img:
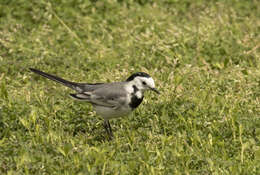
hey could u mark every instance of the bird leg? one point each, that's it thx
(108, 128)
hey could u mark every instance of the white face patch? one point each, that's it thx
(142, 84)
(146, 83)
(139, 94)
(151, 83)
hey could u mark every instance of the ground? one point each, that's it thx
(203, 55)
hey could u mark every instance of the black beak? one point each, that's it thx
(155, 90)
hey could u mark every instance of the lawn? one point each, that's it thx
(204, 56)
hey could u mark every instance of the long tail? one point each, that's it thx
(72, 85)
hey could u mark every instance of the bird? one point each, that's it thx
(109, 100)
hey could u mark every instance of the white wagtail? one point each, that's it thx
(110, 100)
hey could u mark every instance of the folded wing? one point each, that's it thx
(109, 96)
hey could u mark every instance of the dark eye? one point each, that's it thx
(144, 83)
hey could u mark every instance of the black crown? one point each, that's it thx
(138, 74)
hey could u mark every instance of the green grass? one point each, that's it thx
(203, 55)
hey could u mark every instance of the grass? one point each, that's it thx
(203, 55)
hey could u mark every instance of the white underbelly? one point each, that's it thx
(108, 113)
